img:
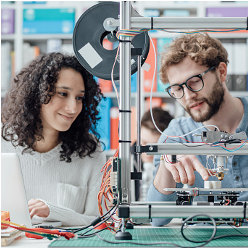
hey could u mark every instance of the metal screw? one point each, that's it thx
(109, 22)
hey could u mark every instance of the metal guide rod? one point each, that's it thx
(194, 149)
(173, 211)
(189, 23)
(125, 103)
(185, 22)
(139, 111)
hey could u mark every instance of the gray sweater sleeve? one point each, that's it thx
(68, 216)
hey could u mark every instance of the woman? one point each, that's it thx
(48, 118)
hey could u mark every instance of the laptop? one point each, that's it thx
(13, 195)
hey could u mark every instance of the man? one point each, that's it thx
(195, 66)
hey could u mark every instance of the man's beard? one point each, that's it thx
(214, 101)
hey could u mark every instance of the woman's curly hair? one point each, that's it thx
(34, 86)
(200, 47)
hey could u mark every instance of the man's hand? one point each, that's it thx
(169, 174)
(37, 207)
(183, 170)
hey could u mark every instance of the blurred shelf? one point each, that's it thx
(10, 37)
(63, 4)
(47, 36)
(113, 95)
(8, 5)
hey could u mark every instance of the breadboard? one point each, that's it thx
(149, 235)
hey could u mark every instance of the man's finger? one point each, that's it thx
(182, 173)
(200, 168)
(172, 169)
(188, 165)
(190, 175)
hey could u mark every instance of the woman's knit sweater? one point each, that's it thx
(69, 189)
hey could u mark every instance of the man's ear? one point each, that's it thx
(222, 70)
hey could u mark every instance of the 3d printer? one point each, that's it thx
(109, 19)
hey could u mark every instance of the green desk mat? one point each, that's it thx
(149, 235)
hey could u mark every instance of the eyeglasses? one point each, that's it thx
(194, 83)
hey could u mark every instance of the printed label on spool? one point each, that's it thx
(90, 55)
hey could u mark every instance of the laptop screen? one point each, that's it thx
(13, 196)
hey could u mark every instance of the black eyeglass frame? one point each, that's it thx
(185, 83)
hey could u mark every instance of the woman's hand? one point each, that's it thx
(38, 207)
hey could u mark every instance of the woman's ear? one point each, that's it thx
(222, 70)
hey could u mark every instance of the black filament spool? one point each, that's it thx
(88, 37)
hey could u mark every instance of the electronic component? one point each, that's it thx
(217, 136)
(114, 181)
(225, 196)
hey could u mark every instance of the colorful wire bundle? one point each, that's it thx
(128, 33)
(47, 233)
(105, 195)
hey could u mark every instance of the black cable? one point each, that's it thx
(91, 235)
(124, 111)
(235, 228)
(137, 243)
(213, 234)
(108, 211)
(124, 41)
(93, 223)
(75, 230)
(228, 141)
(176, 245)
(168, 243)
(197, 215)
(82, 234)
(85, 233)
(124, 141)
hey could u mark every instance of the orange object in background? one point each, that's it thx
(5, 216)
(114, 124)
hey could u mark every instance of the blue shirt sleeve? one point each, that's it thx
(236, 176)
